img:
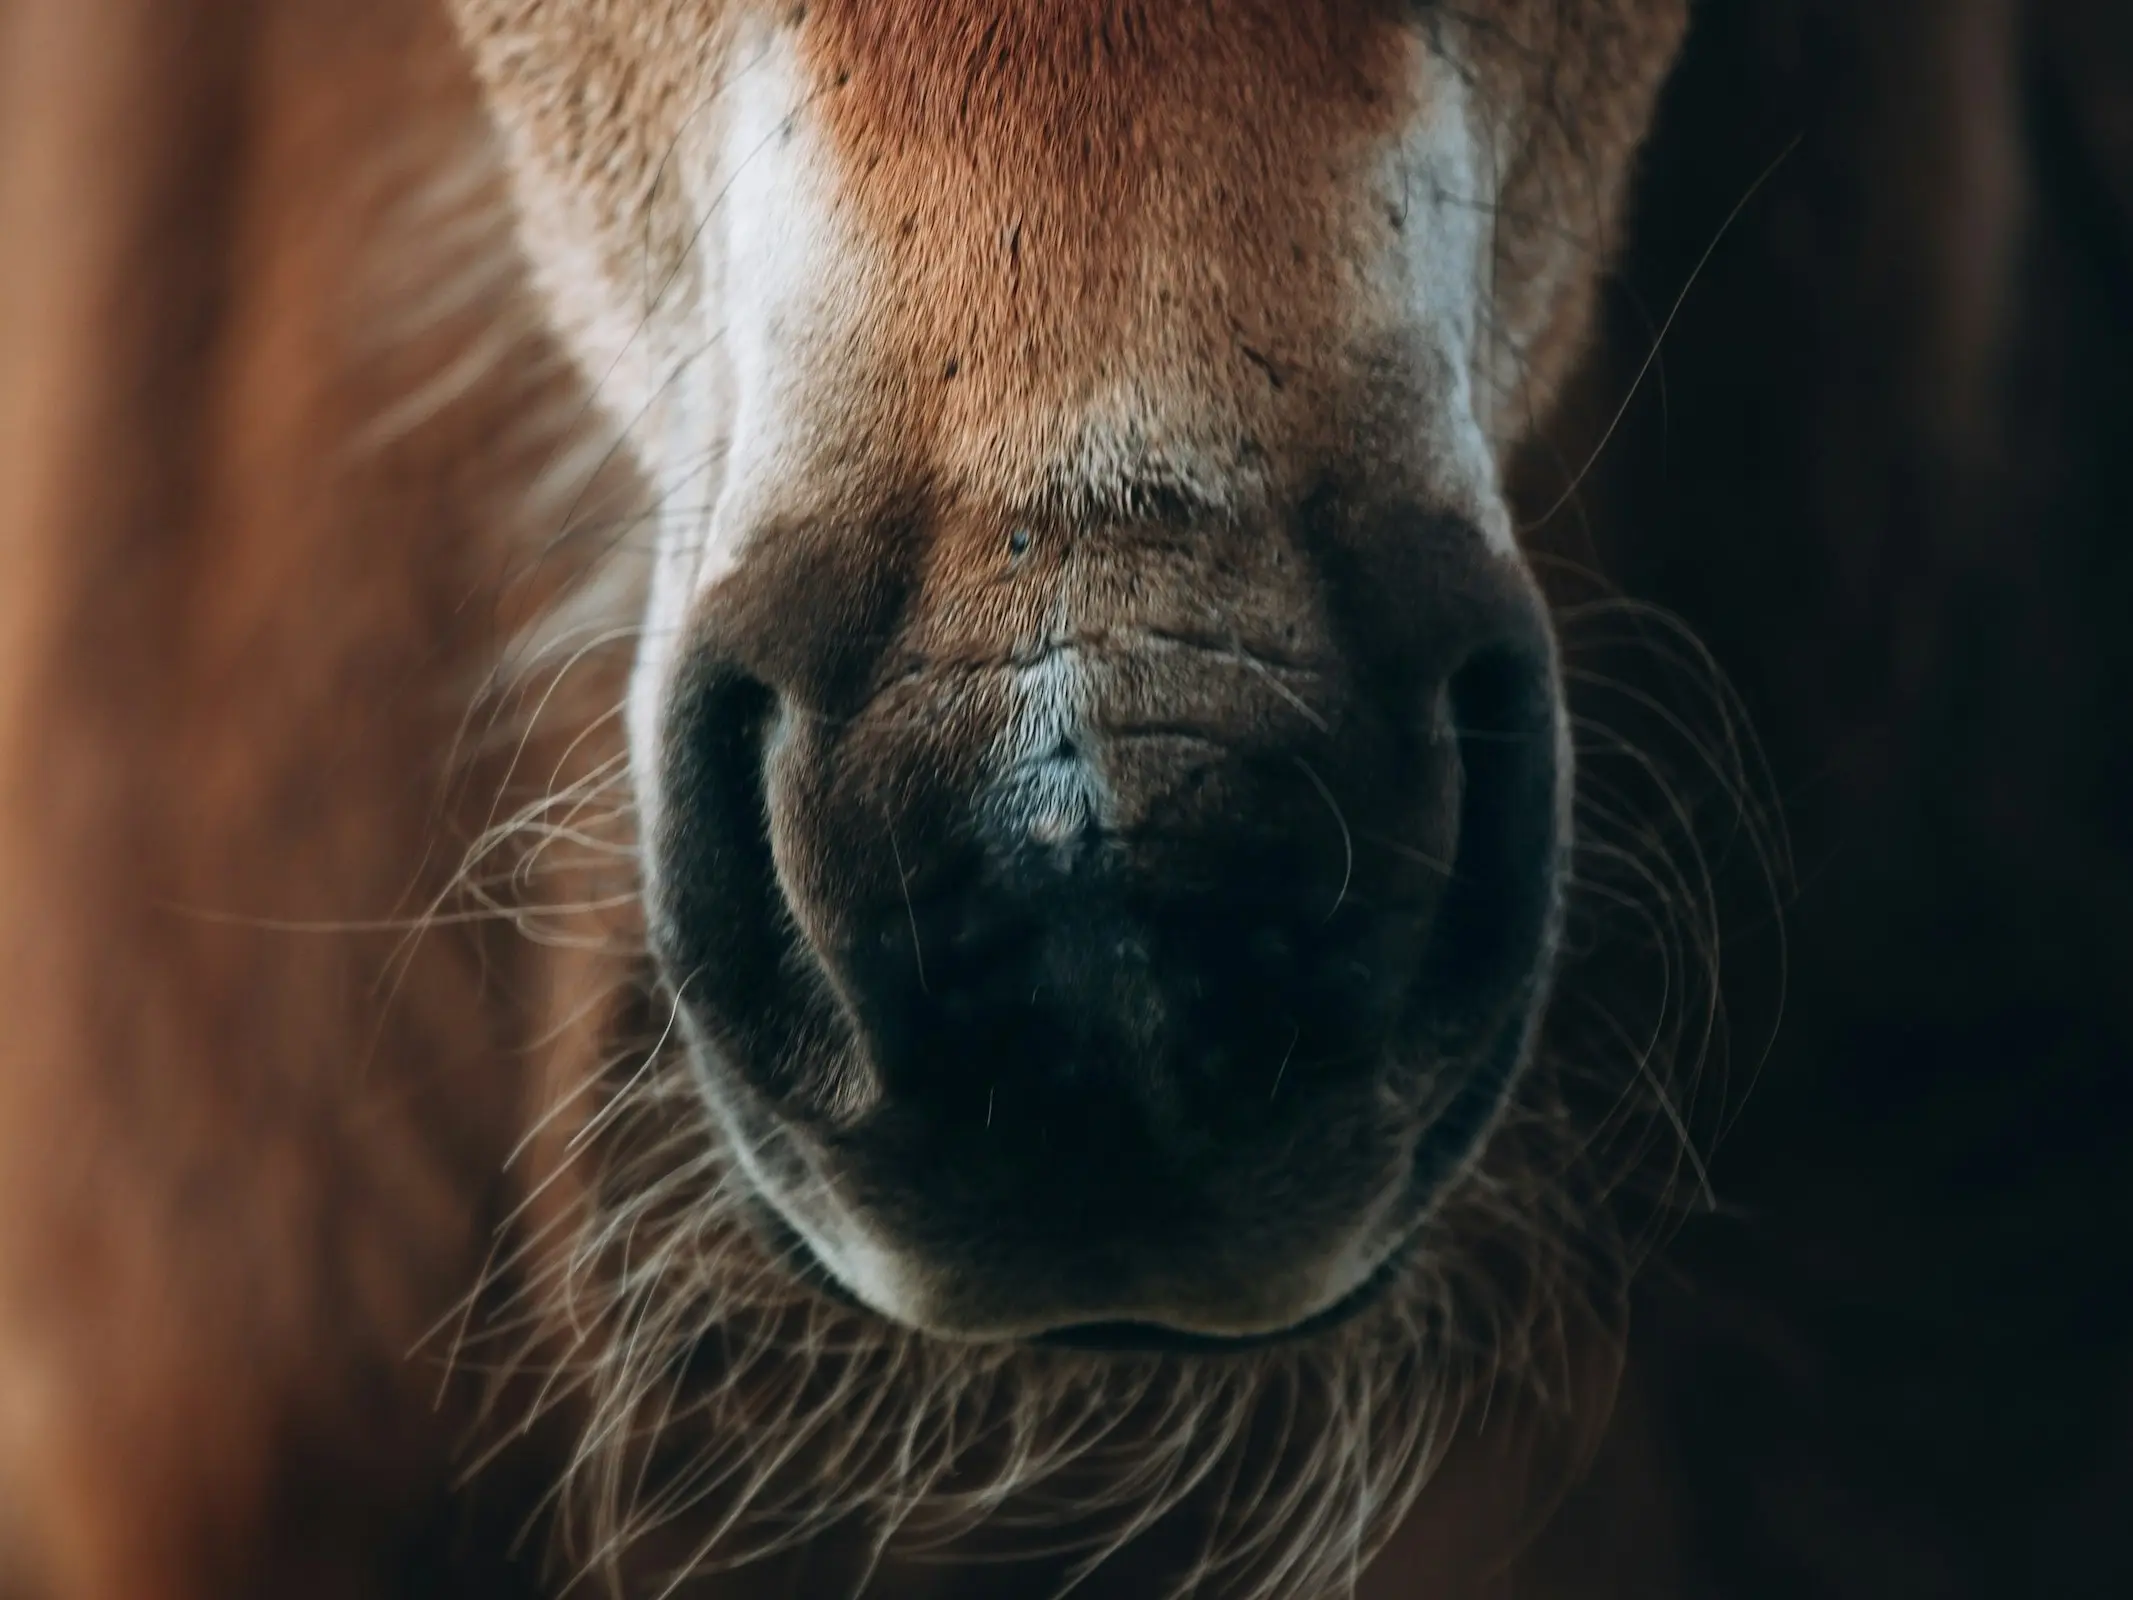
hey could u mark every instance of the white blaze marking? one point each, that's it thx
(779, 305)
(1435, 283)
(1049, 796)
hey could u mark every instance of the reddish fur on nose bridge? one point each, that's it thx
(1065, 197)
(1067, 77)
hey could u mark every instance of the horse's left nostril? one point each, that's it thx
(1496, 922)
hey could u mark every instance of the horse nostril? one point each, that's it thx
(712, 876)
(1497, 919)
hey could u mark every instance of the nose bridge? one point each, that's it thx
(1070, 241)
(1135, 657)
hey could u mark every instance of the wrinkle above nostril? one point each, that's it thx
(1232, 646)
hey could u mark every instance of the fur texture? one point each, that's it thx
(362, 1230)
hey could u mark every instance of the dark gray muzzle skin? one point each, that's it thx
(1129, 932)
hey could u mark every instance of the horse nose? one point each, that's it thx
(1167, 927)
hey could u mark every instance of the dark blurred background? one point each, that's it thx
(1880, 466)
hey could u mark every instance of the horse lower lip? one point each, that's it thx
(1147, 1338)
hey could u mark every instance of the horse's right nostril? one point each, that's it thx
(713, 884)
